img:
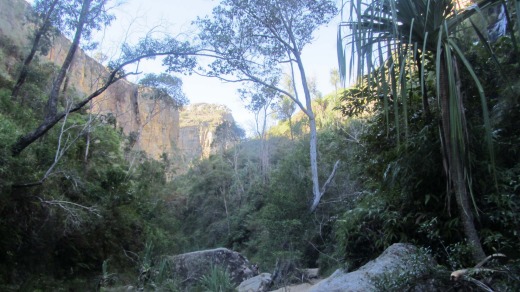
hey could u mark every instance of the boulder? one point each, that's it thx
(188, 268)
(311, 273)
(258, 283)
(395, 259)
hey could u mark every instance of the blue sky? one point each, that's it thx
(135, 18)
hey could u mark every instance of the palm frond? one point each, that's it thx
(483, 102)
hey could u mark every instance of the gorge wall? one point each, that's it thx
(155, 124)
(198, 123)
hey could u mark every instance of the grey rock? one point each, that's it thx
(258, 283)
(188, 268)
(396, 258)
(311, 273)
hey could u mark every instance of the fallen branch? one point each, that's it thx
(466, 274)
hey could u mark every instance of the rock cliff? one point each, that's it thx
(156, 126)
(198, 123)
(154, 123)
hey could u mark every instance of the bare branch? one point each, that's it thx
(324, 187)
(73, 211)
(61, 149)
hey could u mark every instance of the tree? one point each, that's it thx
(167, 87)
(227, 135)
(178, 56)
(254, 41)
(401, 33)
(261, 101)
(55, 16)
(89, 14)
(284, 111)
(335, 80)
(46, 13)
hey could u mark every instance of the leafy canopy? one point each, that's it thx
(64, 17)
(252, 39)
(167, 88)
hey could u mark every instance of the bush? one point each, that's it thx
(217, 280)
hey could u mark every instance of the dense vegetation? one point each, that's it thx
(77, 211)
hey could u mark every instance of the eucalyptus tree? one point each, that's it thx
(80, 19)
(166, 87)
(46, 14)
(284, 110)
(392, 38)
(256, 40)
(227, 134)
(177, 54)
(53, 17)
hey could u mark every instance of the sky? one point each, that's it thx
(135, 18)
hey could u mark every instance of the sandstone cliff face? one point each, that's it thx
(155, 122)
(157, 125)
(198, 123)
(12, 20)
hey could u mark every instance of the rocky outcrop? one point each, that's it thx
(13, 35)
(190, 267)
(198, 123)
(154, 123)
(258, 283)
(398, 259)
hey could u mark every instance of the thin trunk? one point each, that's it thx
(51, 111)
(265, 146)
(313, 137)
(466, 213)
(226, 209)
(291, 128)
(52, 103)
(426, 105)
(455, 163)
(87, 146)
(36, 42)
(314, 164)
(313, 153)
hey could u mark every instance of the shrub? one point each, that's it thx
(217, 280)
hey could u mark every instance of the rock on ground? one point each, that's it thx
(188, 268)
(259, 283)
(305, 287)
(394, 259)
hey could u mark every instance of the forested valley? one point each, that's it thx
(419, 143)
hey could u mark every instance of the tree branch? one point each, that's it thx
(324, 187)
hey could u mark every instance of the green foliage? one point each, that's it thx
(227, 135)
(8, 133)
(280, 227)
(217, 280)
(355, 101)
(404, 189)
(34, 93)
(64, 218)
(166, 87)
(107, 279)
(64, 16)
(232, 36)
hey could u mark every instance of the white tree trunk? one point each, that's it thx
(314, 164)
